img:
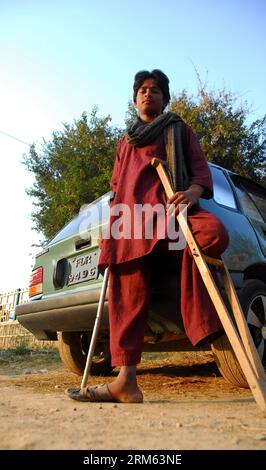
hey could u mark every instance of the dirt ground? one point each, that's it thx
(188, 405)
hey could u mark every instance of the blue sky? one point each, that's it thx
(60, 58)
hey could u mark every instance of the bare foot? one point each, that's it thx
(125, 387)
(125, 392)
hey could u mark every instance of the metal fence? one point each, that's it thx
(9, 301)
(12, 334)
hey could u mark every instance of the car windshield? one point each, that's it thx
(97, 213)
(252, 198)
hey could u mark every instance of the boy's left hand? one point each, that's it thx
(190, 197)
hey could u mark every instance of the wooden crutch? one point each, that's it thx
(241, 342)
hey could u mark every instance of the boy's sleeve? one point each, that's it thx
(116, 171)
(199, 171)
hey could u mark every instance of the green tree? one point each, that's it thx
(72, 169)
(221, 126)
(131, 113)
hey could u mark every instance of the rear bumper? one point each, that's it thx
(70, 312)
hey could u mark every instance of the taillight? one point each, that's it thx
(36, 282)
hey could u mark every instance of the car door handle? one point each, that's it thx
(82, 242)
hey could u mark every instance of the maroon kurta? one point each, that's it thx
(135, 181)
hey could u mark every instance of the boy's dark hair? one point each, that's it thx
(160, 78)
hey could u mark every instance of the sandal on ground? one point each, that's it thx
(99, 393)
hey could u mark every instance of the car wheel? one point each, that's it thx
(73, 348)
(253, 301)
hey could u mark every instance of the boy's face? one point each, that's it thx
(149, 100)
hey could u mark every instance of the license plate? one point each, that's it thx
(83, 268)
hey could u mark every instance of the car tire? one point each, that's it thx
(227, 362)
(253, 301)
(73, 348)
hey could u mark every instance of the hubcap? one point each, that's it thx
(256, 319)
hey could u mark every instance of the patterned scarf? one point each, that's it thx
(140, 134)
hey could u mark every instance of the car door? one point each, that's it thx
(252, 199)
(244, 248)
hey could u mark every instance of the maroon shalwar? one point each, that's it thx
(135, 181)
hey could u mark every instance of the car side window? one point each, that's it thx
(222, 191)
(252, 198)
